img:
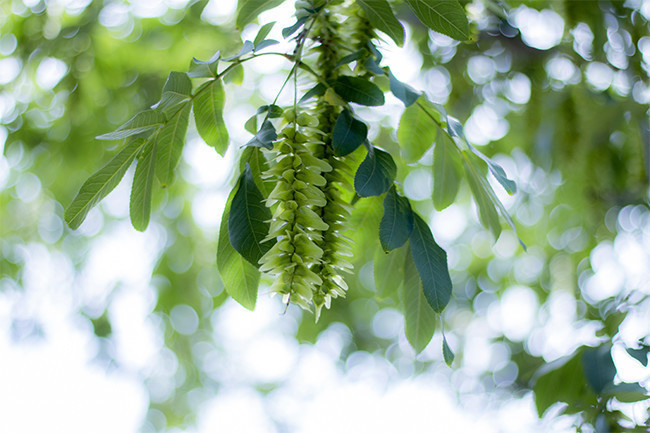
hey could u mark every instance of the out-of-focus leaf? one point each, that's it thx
(204, 69)
(248, 222)
(626, 392)
(397, 222)
(140, 202)
(245, 49)
(640, 355)
(598, 367)
(141, 122)
(288, 31)
(263, 33)
(447, 171)
(402, 91)
(416, 133)
(443, 16)
(419, 317)
(431, 263)
(101, 183)
(381, 16)
(248, 10)
(375, 174)
(447, 353)
(487, 210)
(208, 114)
(389, 271)
(265, 44)
(170, 142)
(358, 90)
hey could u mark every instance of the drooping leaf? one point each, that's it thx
(447, 171)
(288, 31)
(240, 278)
(403, 92)
(443, 16)
(208, 114)
(264, 137)
(487, 210)
(358, 90)
(141, 122)
(416, 133)
(170, 142)
(248, 222)
(419, 317)
(389, 271)
(447, 353)
(140, 202)
(248, 10)
(375, 174)
(204, 69)
(563, 380)
(348, 133)
(431, 263)
(263, 33)
(381, 16)
(598, 367)
(396, 224)
(176, 91)
(101, 183)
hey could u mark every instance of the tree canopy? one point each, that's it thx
(479, 169)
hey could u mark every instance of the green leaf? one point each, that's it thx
(265, 44)
(350, 58)
(348, 133)
(264, 137)
(140, 202)
(419, 317)
(318, 90)
(263, 32)
(170, 142)
(204, 69)
(416, 133)
(626, 392)
(563, 380)
(375, 174)
(251, 124)
(447, 171)
(258, 164)
(101, 183)
(403, 92)
(487, 210)
(381, 17)
(240, 278)
(288, 31)
(208, 114)
(397, 223)
(444, 16)
(359, 90)
(640, 355)
(447, 353)
(177, 90)
(247, 48)
(598, 366)
(248, 222)
(389, 271)
(234, 75)
(274, 111)
(431, 263)
(141, 122)
(250, 9)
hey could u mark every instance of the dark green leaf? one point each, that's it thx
(443, 16)
(381, 16)
(264, 137)
(640, 355)
(487, 210)
(247, 48)
(373, 66)
(240, 278)
(397, 223)
(170, 142)
(447, 171)
(348, 133)
(626, 392)
(419, 317)
(177, 90)
(140, 202)
(431, 262)
(208, 114)
(358, 90)
(248, 222)
(263, 33)
(288, 31)
(248, 10)
(416, 133)
(447, 353)
(598, 366)
(389, 271)
(143, 121)
(274, 111)
(204, 69)
(318, 90)
(101, 183)
(403, 92)
(375, 174)
(349, 58)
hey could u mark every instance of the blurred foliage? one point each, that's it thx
(579, 150)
